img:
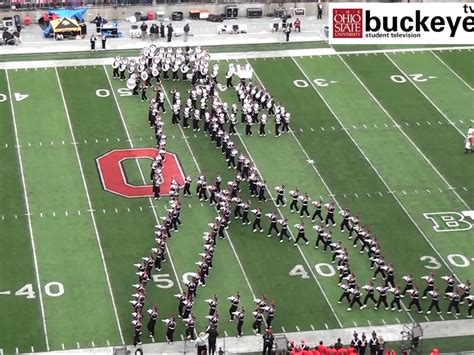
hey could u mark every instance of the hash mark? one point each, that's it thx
(326, 325)
(312, 130)
(32, 349)
(116, 210)
(429, 123)
(398, 320)
(128, 209)
(282, 328)
(354, 127)
(375, 126)
(41, 214)
(78, 346)
(428, 190)
(356, 195)
(103, 210)
(418, 124)
(62, 142)
(404, 192)
(118, 139)
(464, 188)
(297, 328)
(140, 208)
(368, 321)
(381, 195)
(383, 321)
(54, 214)
(440, 190)
(427, 318)
(368, 195)
(66, 213)
(333, 128)
(344, 195)
(386, 125)
(416, 191)
(106, 139)
(16, 216)
(78, 212)
(226, 333)
(62, 346)
(355, 324)
(312, 327)
(365, 126)
(108, 342)
(93, 345)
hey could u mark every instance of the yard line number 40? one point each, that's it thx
(51, 289)
(323, 269)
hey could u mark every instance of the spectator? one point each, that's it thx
(186, 30)
(338, 345)
(268, 340)
(322, 349)
(154, 32)
(201, 343)
(320, 10)
(143, 28)
(297, 25)
(212, 337)
(104, 40)
(162, 30)
(98, 22)
(169, 33)
(92, 40)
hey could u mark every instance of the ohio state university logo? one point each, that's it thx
(114, 178)
(347, 23)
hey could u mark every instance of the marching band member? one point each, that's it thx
(414, 295)
(466, 288)
(284, 229)
(301, 234)
(304, 205)
(396, 299)
(280, 193)
(170, 328)
(355, 298)
(453, 302)
(434, 301)
(234, 300)
(317, 213)
(258, 217)
(330, 214)
(449, 284)
(240, 315)
(370, 289)
(294, 201)
(153, 312)
(430, 284)
(273, 224)
(190, 324)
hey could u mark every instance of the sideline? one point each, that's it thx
(228, 56)
(251, 343)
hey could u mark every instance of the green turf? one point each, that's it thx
(67, 246)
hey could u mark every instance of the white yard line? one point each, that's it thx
(219, 56)
(199, 170)
(27, 204)
(86, 189)
(376, 171)
(423, 93)
(281, 214)
(403, 132)
(452, 71)
(129, 139)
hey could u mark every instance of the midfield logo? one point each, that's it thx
(451, 221)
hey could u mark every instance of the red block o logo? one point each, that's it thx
(113, 176)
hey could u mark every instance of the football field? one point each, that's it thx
(380, 133)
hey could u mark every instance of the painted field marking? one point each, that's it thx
(312, 327)
(423, 93)
(381, 178)
(279, 211)
(452, 71)
(383, 320)
(32, 349)
(30, 227)
(78, 345)
(297, 328)
(369, 322)
(92, 343)
(86, 189)
(283, 329)
(62, 346)
(401, 130)
(150, 200)
(108, 342)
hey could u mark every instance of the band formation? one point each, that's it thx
(257, 106)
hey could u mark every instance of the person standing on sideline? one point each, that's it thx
(320, 10)
(162, 30)
(186, 30)
(201, 343)
(104, 40)
(297, 25)
(92, 40)
(169, 33)
(143, 28)
(268, 340)
(213, 334)
(287, 32)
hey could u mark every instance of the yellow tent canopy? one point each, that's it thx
(65, 25)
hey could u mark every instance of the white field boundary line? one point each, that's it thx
(152, 206)
(43, 64)
(404, 134)
(279, 211)
(376, 171)
(452, 71)
(27, 204)
(199, 170)
(423, 93)
(86, 189)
